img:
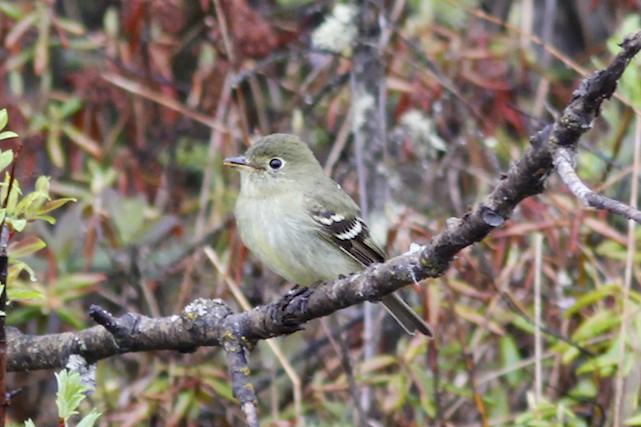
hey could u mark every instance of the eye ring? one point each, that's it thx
(276, 163)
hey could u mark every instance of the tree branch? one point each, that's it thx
(564, 164)
(577, 118)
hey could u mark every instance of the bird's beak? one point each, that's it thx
(239, 162)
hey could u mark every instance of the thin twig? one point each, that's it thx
(287, 367)
(619, 407)
(543, 87)
(236, 352)
(339, 143)
(470, 364)
(234, 59)
(162, 99)
(213, 148)
(556, 53)
(538, 344)
(4, 264)
(563, 160)
(346, 363)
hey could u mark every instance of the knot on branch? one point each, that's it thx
(124, 329)
(204, 317)
(595, 89)
(573, 126)
(491, 217)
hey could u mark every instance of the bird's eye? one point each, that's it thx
(275, 163)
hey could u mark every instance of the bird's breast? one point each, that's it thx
(281, 235)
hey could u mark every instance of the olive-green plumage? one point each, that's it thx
(301, 224)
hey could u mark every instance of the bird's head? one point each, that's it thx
(274, 162)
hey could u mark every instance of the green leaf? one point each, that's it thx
(70, 318)
(222, 388)
(635, 420)
(595, 325)
(46, 218)
(18, 224)
(4, 118)
(592, 297)
(614, 250)
(12, 200)
(22, 314)
(76, 281)
(111, 21)
(585, 389)
(31, 203)
(54, 147)
(55, 204)
(395, 399)
(605, 363)
(523, 324)
(183, 403)
(7, 134)
(70, 393)
(70, 26)
(21, 294)
(90, 419)
(12, 11)
(29, 423)
(570, 354)
(82, 140)
(42, 184)
(510, 357)
(70, 107)
(38, 123)
(26, 246)
(6, 157)
(18, 267)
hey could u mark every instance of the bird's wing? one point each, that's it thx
(338, 220)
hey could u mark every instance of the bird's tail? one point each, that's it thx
(405, 316)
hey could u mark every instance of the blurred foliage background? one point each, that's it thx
(130, 107)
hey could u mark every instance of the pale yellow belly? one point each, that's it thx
(291, 248)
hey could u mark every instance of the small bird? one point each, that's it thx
(301, 224)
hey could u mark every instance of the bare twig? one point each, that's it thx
(538, 342)
(556, 53)
(543, 87)
(343, 354)
(161, 99)
(563, 160)
(272, 344)
(4, 264)
(623, 407)
(577, 119)
(236, 351)
(213, 148)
